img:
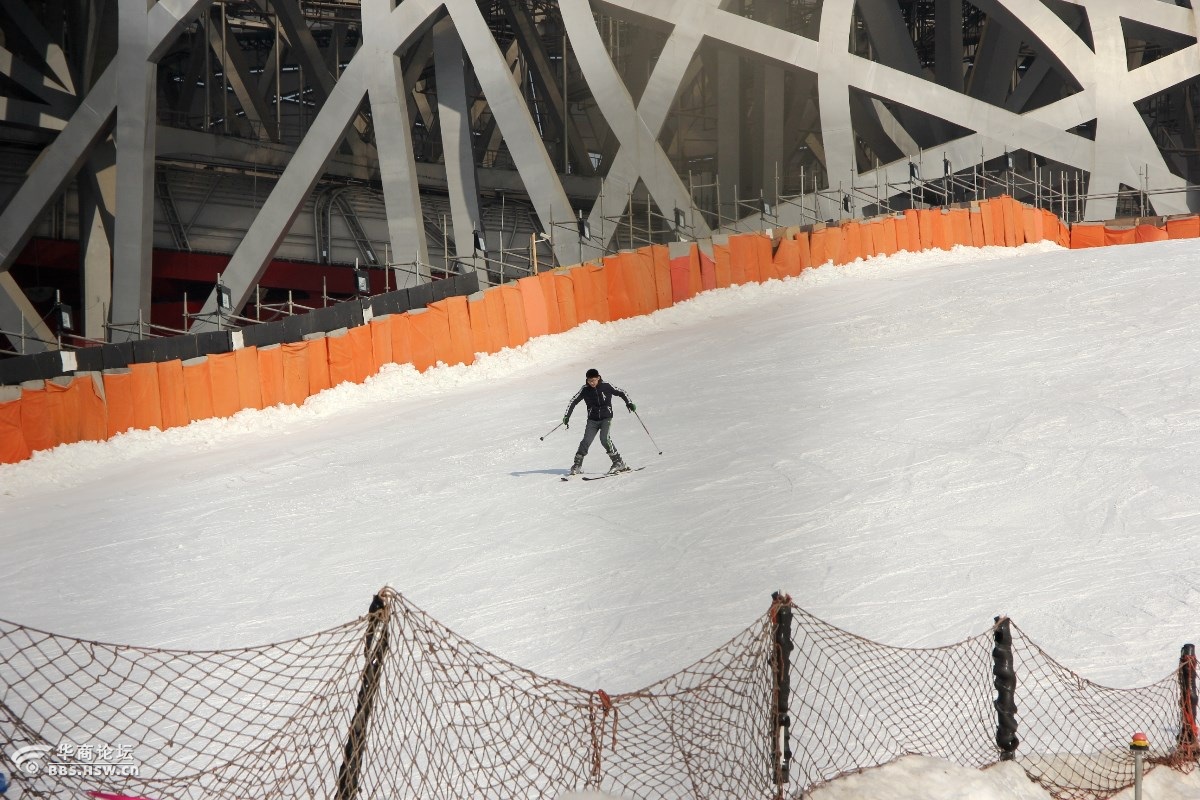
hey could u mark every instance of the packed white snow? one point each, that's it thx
(909, 446)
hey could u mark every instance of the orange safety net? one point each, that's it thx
(550, 294)
(270, 371)
(533, 302)
(341, 358)
(364, 354)
(381, 342)
(564, 293)
(1150, 233)
(197, 384)
(172, 397)
(1115, 236)
(660, 262)
(318, 366)
(118, 396)
(147, 406)
(431, 334)
(295, 373)
(250, 392)
(223, 382)
(402, 339)
(1184, 227)
(13, 447)
(514, 315)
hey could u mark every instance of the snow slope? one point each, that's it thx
(909, 446)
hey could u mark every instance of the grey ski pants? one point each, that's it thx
(589, 433)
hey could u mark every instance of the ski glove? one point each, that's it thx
(631, 407)
(566, 423)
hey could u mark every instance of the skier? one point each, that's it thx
(598, 396)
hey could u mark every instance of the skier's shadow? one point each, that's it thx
(523, 473)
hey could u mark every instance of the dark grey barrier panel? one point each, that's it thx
(293, 329)
(324, 319)
(396, 302)
(116, 356)
(89, 359)
(211, 342)
(467, 284)
(36, 367)
(420, 296)
(442, 289)
(350, 313)
(263, 334)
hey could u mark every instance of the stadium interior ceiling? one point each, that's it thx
(282, 149)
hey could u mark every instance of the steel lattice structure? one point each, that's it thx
(416, 132)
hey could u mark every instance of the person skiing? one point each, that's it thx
(598, 396)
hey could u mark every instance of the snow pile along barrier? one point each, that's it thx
(453, 330)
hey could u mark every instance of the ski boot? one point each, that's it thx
(618, 465)
(577, 467)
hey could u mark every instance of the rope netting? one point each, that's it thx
(394, 704)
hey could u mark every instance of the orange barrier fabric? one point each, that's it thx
(431, 336)
(925, 228)
(363, 354)
(1064, 234)
(381, 342)
(172, 397)
(641, 271)
(959, 220)
(737, 261)
(681, 279)
(497, 318)
(835, 244)
(819, 243)
(197, 384)
(600, 293)
(92, 424)
(900, 226)
(564, 294)
(619, 279)
(63, 399)
(705, 267)
(13, 447)
(459, 324)
(549, 281)
(341, 360)
(721, 267)
(534, 304)
(481, 334)
(1086, 236)
(147, 406)
(514, 316)
(1031, 222)
(872, 238)
(1014, 231)
(295, 373)
(581, 287)
(37, 418)
(1150, 233)
(118, 397)
(250, 393)
(318, 366)
(401, 339)
(852, 247)
(802, 243)
(886, 238)
(270, 371)
(223, 376)
(1115, 236)
(787, 258)
(1184, 228)
(977, 235)
(660, 262)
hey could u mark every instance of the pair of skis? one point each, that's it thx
(605, 475)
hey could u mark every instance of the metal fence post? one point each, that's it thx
(1005, 681)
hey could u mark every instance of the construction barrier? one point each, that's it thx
(172, 392)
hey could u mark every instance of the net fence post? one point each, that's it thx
(374, 651)
(1186, 745)
(781, 664)
(1004, 678)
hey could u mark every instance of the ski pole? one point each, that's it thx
(552, 430)
(647, 430)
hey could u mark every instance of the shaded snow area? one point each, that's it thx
(909, 446)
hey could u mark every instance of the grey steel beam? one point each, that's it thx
(541, 181)
(134, 135)
(534, 49)
(303, 171)
(97, 199)
(18, 315)
(637, 137)
(729, 129)
(26, 25)
(237, 73)
(457, 151)
(389, 96)
(59, 101)
(948, 44)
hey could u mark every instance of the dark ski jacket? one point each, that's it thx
(598, 400)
